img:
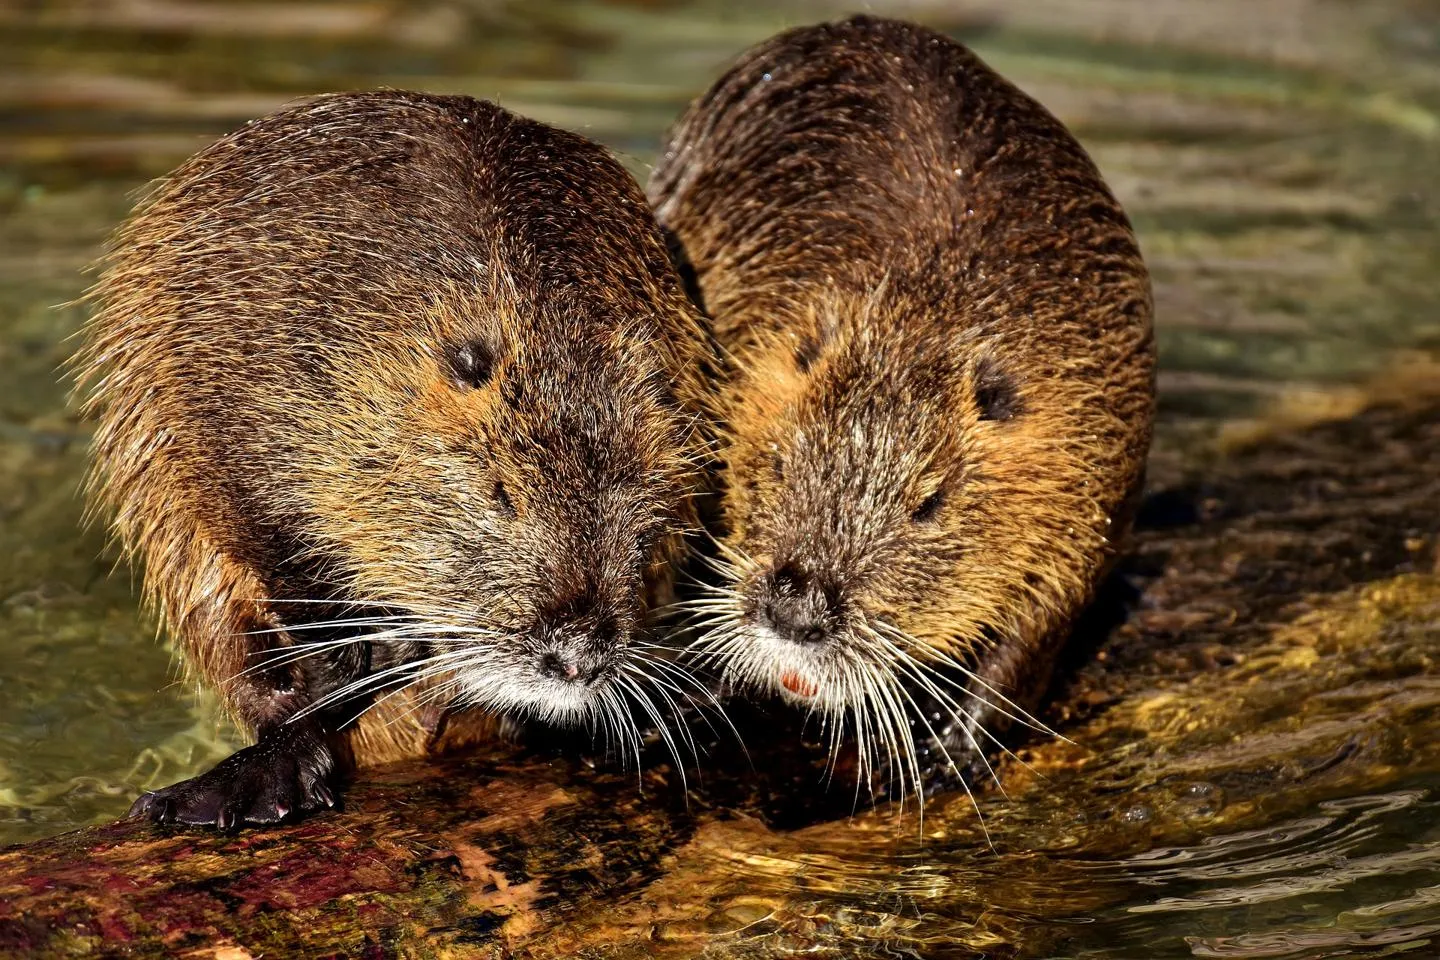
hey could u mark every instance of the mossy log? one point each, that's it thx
(1269, 645)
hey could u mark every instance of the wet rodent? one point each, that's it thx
(940, 383)
(393, 387)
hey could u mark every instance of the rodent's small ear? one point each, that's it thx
(472, 363)
(503, 503)
(996, 395)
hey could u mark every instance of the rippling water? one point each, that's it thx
(1279, 159)
(1356, 877)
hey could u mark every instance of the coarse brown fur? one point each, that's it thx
(422, 360)
(941, 382)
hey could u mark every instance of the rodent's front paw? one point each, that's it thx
(266, 783)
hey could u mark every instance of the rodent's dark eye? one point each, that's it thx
(502, 500)
(777, 465)
(472, 364)
(996, 396)
(928, 508)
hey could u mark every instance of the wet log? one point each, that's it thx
(1269, 645)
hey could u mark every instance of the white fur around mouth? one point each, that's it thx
(799, 675)
(526, 694)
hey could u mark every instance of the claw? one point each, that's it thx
(322, 793)
(140, 808)
(152, 806)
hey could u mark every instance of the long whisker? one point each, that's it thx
(379, 679)
(335, 624)
(925, 679)
(279, 656)
(680, 675)
(966, 720)
(382, 699)
(664, 688)
(441, 691)
(647, 705)
(950, 763)
(1015, 712)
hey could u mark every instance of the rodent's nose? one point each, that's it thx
(552, 666)
(792, 624)
(571, 667)
(793, 608)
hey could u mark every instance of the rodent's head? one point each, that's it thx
(517, 481)
(897, 502)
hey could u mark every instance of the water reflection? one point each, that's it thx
(1356, 877)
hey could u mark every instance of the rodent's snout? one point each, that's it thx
(798, 606)
(571, 666)
(578, 651)
(578, 637)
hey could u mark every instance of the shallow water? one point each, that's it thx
(1278, 159)
(1352, 877)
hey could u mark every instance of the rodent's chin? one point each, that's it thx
(803, 676)
(526, 694)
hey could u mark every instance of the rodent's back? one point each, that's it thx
(833, 155)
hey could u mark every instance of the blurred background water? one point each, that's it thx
(1280, 161)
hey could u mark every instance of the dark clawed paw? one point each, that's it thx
(263, 784)
(320, 795)
(950, 778)
(954, 764)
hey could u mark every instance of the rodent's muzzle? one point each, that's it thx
(578, 649)
(573, 663)
(797, 605)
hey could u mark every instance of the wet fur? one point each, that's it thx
(276, 371)
(941, 378)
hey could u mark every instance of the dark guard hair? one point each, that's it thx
(395, 392)
(940, 389)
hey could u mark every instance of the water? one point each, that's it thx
(1353, 877)
(1279, 162)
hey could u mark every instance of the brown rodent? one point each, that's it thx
(394, 390)
(941, 382)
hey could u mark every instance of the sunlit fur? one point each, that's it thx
(940, 383)
(283, 443)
